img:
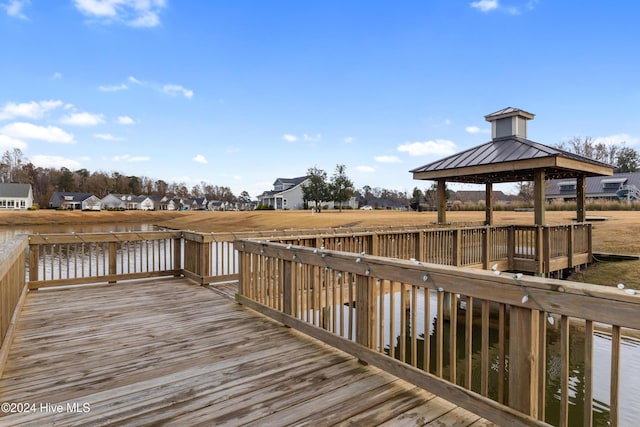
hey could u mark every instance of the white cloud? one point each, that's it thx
(113, 88)
(387, 159)
(438, 147)
(6, 142)
(134, 80)
(131, 159)
(83, 119)
(107, 137)
(174, 90)
(57, 76)
(485, 5)
(447, 122)
(237, 178)
(44, 161)
(365, 169)
(135, 13)
(311, 138)
(618, 139)
(233, 149)
(31, 110)
(14, 8)
(199, 158)
(125, 120)
(22, 130)
(289, 137)
(475, 129)
(349, 139)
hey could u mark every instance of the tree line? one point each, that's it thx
(14, 167)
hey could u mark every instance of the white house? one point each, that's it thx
(286, 194)
(15, 196)
(128, 202)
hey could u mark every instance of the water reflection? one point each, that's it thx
(629, 394)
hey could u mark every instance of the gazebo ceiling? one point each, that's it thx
(510, 159)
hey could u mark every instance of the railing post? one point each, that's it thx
(590, 242)
(486, 245)
(365, 321)
(570, 245)
(375, 244)
(34, 260)
(113, 260)
(457, 247)
(204, 269)
(422, 237)
(288, 293)
(177, 255)
(511, 246)
(524, 330)
(539, 255)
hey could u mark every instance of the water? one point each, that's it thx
(629, 395)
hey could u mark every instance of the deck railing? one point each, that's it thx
(12, 289)
(481, 339)
(84, 258)
(68, 259)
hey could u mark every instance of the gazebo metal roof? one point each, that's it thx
(510, 159)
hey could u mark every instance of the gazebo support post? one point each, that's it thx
(581, 198)
(538, 196)
(488, 203)
(442, 202)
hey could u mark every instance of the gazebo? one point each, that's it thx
(511, 157)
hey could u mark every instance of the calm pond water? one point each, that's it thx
(7, 233)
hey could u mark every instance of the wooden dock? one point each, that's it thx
(169, 352)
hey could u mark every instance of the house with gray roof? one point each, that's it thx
(15, 196)
(286, 194)
(73, 201)
(619, 186)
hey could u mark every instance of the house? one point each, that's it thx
(198, 204)
(286, 194)
(68, 200)
(15, 196)
(619, 186)
(127, 202)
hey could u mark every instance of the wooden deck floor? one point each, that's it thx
(172, 353)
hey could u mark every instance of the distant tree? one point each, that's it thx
(196, 192)
(525, 191)
(431, 194)
(244, 197)
(416, 197)
(587, 147)
(65, 182)
(10, 164)
(627, 160)
(317, 189)
(134, 184)
(341, 186)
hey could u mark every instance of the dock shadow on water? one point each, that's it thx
(630, 358)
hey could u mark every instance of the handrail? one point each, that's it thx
(377, 302)
(74, 258)
(13, 290)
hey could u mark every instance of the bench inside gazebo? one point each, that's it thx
(511, 157)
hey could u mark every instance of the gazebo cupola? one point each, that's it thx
(509, 122)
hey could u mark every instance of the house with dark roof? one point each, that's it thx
(69, 200)
(15, 196)
(619, 186)
(286, 194)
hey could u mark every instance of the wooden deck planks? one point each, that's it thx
(170, 352)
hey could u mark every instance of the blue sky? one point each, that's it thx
(239, 93)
